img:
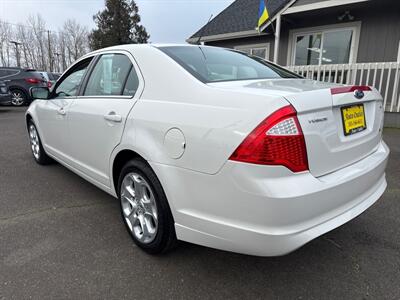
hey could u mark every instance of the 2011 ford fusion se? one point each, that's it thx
(212, 146)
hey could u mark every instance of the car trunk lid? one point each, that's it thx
(333, 137)
(319, 110)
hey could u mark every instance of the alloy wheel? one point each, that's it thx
(34, 140)
(17, 98)
(139, 207)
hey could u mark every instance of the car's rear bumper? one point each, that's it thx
(269, 211)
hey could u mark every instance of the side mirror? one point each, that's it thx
(40, 93)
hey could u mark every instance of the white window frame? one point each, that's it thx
(354, 26)
(250, 47)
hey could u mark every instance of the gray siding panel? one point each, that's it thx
(380, 33)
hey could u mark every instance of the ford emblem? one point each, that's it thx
(359, 94)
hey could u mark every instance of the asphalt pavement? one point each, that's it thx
(62, 238)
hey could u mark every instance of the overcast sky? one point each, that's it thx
(167, 21)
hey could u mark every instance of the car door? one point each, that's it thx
(97, 117)
(53, 113)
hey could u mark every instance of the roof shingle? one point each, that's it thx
(241, 15)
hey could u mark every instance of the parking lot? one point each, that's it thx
(61, 237)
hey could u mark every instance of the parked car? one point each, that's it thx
(5, 96)
(19, 81)
(213, 147)
(50, 78)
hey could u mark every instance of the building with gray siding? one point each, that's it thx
(377, 22)
(346, 41)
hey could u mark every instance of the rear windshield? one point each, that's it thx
(36, 74)
(54, 76)
(209, 64)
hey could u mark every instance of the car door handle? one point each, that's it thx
(61, 111)
(113, 117)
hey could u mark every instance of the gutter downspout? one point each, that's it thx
(277, 38)
(398, 53)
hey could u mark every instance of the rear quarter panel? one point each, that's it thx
(214, 121)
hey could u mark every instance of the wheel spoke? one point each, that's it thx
(130, 207)
(148, 207)
(132, 221)
(131, 201)
(127, 192)
(151, 222)
(138, 187)
(149, 204)
(143, 225)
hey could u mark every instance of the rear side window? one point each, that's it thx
(212, 64)
(109, 75)
(12, 72)
(132, 83)
(52, 76)
(6, 73)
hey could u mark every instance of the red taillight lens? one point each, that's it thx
(49, 84)
(278, 140)
(33, 80)
(349, 89)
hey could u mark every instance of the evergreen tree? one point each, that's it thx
(117, 24)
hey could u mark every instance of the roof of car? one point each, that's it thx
(18, 68)
(128, 47)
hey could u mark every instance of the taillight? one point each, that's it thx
(49, 84)
(33, 80)
(349, 89)
(278, 140)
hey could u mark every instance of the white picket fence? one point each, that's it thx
(383, 75)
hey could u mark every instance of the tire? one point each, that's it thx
(18, 97)
(38, 152)
(147, 217)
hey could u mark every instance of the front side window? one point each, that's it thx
(69, 85)
(109, 75)
(211, 64)
(323, 48)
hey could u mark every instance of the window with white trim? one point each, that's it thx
(261, 50)
(323, 47)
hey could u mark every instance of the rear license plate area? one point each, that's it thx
(353, 118)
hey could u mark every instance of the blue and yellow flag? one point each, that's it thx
(263, 14)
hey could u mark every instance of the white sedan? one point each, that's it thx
(212, 146)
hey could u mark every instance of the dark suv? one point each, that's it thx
(5, 96)
(19, 81)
